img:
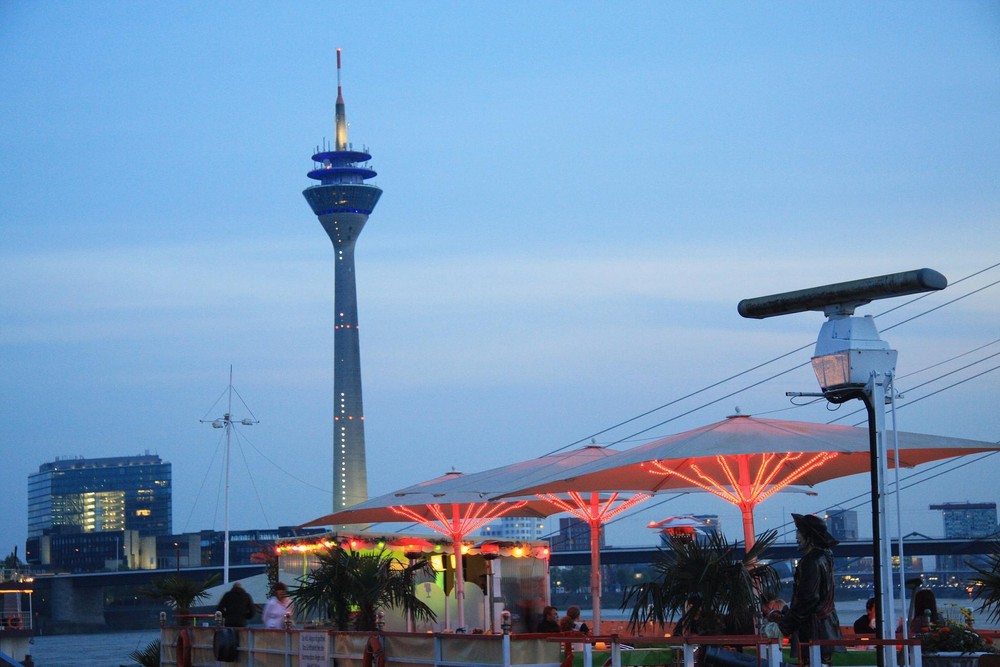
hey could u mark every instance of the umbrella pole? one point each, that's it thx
(456, 537)
(595, 562)
(746, 506)
(748, 536)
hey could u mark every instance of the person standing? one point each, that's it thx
(276, 608)
(812, 615)
(236, 607)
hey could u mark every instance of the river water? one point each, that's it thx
(103, 650)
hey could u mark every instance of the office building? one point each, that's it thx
(964, 521)
(842, 524)
(515, 528)
(84, 513)
(101, 495)
(574, 535)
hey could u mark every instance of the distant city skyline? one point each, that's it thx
(575, 201)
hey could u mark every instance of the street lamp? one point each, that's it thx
(227, 423)
(852, 361)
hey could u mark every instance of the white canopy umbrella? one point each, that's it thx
(744, 460)
(456, 504)
(454, 514)
(593, 507)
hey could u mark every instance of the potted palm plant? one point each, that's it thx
(709, 583)
(986, 583)
(347, 583)
(180, 593)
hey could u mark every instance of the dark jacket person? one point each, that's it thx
(811, 614)
(236, 607)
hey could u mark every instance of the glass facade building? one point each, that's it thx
(515, 528)
(101, 495)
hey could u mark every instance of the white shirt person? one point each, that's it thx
(276, 608)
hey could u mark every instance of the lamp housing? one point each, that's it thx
(848, 352)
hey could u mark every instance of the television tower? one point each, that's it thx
(342, 202)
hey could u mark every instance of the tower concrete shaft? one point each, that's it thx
(342, 202)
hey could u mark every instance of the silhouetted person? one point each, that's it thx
(236, 607)
(811, 615)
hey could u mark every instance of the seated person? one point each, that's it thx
(550, 621)
(571, 621)
(925, 611)
(865, 625)
(772, 608)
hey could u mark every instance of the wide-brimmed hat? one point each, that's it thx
(814, 528)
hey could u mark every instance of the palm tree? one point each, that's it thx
(180, 593)
(725, 584)
(149, 655)
(987, 584)
(345, 581)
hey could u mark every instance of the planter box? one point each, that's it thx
(951, 659)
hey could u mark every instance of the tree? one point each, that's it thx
(180, 593)
(727, 584)
(345, 581)
(12, 562)
(987, 584)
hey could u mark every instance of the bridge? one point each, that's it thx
(81, 602)
(786, 551)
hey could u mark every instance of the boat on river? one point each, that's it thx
(17, 627)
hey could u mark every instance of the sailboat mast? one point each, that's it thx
(229, 428)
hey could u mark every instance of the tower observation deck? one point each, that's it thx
(342, 202)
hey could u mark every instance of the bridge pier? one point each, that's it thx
(77, 609)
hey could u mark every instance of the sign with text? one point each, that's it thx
(314, 649)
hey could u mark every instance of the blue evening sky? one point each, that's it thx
(577, 195)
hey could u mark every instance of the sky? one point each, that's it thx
(576, 196)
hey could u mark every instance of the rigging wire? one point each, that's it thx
(253, 484)
(919, 398)
(204, 480)
(941, 363)
(813, 401)
(766, 363)
(729, 395)
(292, 476)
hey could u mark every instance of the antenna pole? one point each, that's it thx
(229, 428)
(340, 115)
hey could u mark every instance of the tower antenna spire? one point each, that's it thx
(343, 201)
(340, 116)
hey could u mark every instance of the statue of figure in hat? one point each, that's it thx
(811, 615)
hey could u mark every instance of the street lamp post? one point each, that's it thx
(852, 361)
(226, 422)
